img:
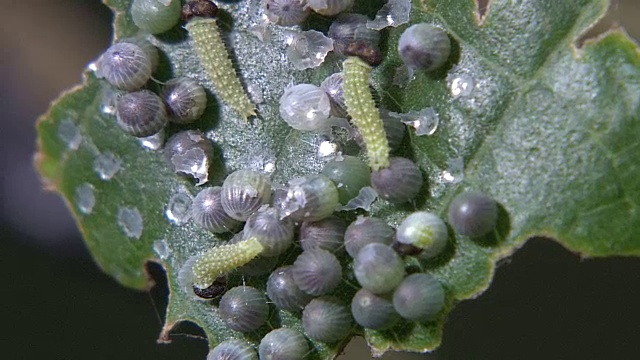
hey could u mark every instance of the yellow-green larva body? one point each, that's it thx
(223, 259)
(216, 62)
(363, 111)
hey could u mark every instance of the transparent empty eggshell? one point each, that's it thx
(305, 107)
(394, 13)
(307, 49)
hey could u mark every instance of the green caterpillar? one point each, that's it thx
(222, 259)
(216, 62)
(363, 111)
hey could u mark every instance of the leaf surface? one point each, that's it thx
(549, 130)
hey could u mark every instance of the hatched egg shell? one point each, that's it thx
(305, 107)
(348, 30)
(190, 153)
(317, 272)
(243, 308)
(424, 230)
(310, 198)
(307, 49)
(332, 85)
(329, 7)
(326, 319)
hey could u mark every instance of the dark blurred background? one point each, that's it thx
(544, 302)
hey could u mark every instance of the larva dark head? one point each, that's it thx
(214, 290)
(363, 49)
(199, 8)
(352, 37)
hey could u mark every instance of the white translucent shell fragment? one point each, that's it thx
(305, 107)
(307, 49)
(425, 121)
(363, 200)
(394, 13)
(329, 7)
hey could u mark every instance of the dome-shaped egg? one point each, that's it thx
(317, 272)
(424, 47)
(373, 311)
(207, 211)
(398, 183)
(141, 113)
(325, 234)
(244, 192)
(155, 16)
(473, 214)
(364, 231)
(378, 268)
(350, 174)
(125, 65)
(233, 350)
(283, 344)
(186, 100)
(274, 233)
(326, 319)
(283, 291)
(243, 308)
(419, 297)
(305, 107)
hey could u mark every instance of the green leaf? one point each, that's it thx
(550, 130)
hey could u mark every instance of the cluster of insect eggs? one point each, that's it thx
(387, 294)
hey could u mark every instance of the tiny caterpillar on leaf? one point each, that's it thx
(224, 258)
(363, 111)
(214, 57)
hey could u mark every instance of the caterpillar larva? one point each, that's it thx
(222, 259)
(363, 111)
(214, 57)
